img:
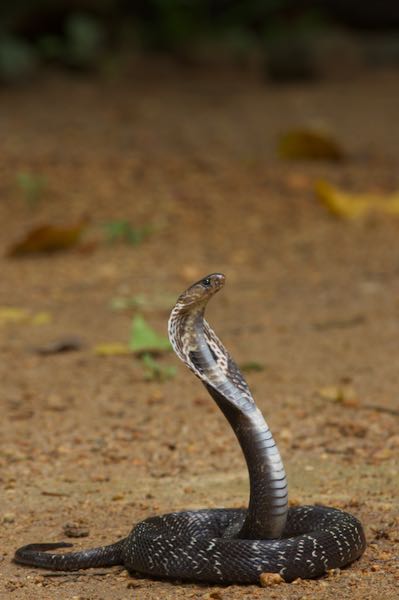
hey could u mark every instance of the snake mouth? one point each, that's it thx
(214, 282)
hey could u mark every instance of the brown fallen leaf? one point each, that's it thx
(355, 206)
(309, 144)
(47, 239)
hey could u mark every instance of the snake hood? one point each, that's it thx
(201, 350)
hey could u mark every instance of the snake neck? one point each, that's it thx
(202, 351)
(268, 499)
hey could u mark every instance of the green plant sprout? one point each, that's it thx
(144, 339)
(154, 371)
(146, 342)
(32, 186)
(123, 231)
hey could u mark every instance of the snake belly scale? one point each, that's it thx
(224, 545)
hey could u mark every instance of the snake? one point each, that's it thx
(223, 545)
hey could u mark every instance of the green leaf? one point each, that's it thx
(251, 366)
(144, 339)
(32, 186)
(154, 371)
(122, 231)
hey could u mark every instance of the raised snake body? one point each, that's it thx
(224, 545)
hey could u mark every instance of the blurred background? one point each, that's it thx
(285, 39)
(144, 145)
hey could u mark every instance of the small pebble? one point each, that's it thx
(269, 579)
(8, 518)
(56, 403)
(133, 584)
(74, 530)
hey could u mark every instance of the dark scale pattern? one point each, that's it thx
(190, 545)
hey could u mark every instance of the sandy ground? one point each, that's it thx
(315, 300)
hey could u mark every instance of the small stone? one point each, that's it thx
(56, 403)
(215, 595)
(117, 497)
(75, 530)
(133, 584)
(286, 434)
(269, 579)
(8, 518)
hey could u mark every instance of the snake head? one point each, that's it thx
(200, 292)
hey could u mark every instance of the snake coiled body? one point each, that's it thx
(224, 545)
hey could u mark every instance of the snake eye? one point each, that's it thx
(206, 282)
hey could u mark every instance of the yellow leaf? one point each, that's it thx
(112, 349)
(309, 144)
(354, 206)
(10, 314)
(41, 318)
(343, 394)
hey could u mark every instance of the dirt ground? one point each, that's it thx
(313, 299)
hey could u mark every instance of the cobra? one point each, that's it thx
(224, 545)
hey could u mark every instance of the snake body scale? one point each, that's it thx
(224, 545)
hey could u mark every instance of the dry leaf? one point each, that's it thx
(309, 144)
(48, 238)
(112, 349)
(354, 206)
(345, 395)
(41, 318)
(11, 314)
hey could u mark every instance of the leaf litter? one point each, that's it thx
(309, 144)
(13, 314)
(122, 231)
(46, 239)
(355, 206)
